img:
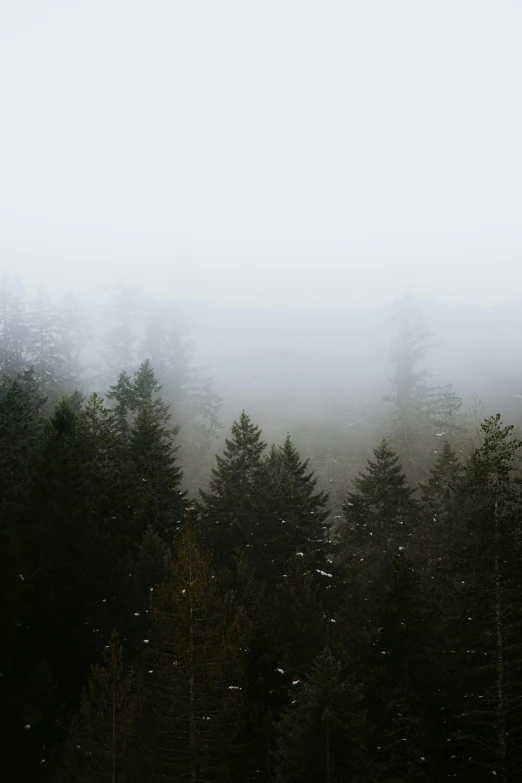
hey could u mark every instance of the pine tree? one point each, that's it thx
(440, 529)
(122, 393)
(407, 733)
(104, 743)
(317, 732)
(491, 671)
(161, 503)
(195, 668)
(379, 518)
(229, 512)
(20, 427)
(77, 533)
(294, 514)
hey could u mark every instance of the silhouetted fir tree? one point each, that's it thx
(491, 605)
(166, 346)
(318, 732)
(122, 393)
(294, 514)
(20, 427)
(77, 534)
(15, 330)
(195, 664)
(160, 502)
(229, 511)
(104, 742)
(406, 732)
(189, 395)
(12, 704)
(378, 518)
(440, 527)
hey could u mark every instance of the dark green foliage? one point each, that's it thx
(491, 607)
(152, 450)
(122, 394)
(229, 511)
(318, 732)
(294, 512)
(407, 732)
(379, 518)
(195, 670)
(104, 743)
(20, 428)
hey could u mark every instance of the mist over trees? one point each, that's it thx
(189, 595)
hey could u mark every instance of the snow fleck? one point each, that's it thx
(136, 614)
(21, 576)
(323, 573)
(295, 682)
(299, 554)
(145, 641)
(27, 726)
(234, 688)
(280, 671)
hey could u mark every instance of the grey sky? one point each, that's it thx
(264, 150)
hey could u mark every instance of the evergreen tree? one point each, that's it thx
(161, 503)
(77, 534)
(195, 665)
(20, 426)
(440, 530)
(104, 744)
(294, 513)
(122, 394)
(229, 512)
(318, 731)
(378, 518)
(407, 732)
(491, 673)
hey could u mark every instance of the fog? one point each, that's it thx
(284, 171)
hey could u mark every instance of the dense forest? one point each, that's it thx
(182, 600)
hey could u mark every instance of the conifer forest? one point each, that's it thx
(181, 601)
(260, 391)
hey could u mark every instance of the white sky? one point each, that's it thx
(264, 151)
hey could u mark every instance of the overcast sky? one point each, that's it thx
(264, 151)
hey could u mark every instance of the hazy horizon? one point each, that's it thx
(296, 154)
